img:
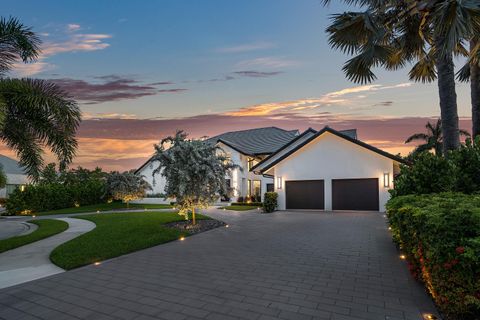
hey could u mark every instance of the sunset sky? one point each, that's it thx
(141, 70)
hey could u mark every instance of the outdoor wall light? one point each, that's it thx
(386, 179)
(279, 182)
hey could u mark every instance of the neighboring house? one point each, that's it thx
(16, 176)
(246, 148)
(330, 170)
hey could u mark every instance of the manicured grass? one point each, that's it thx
(240, 208)
(105, 207)
(117, 234)
(46, 228)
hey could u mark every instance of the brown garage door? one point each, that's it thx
(305, 194)
(355, 194)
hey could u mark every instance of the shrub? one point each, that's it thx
(440, 236)
(429, 173)
(270, 201)
(258, 204)
(76, 187)
(240, 199)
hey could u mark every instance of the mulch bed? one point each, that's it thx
(201, 226)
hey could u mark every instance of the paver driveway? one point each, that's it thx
(287, 265)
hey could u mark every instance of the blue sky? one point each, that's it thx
(209, 66)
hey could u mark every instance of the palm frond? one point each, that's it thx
(417, 136)
(47, 117)
(16, 41)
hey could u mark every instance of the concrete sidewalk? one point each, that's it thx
(9, 228)
(32, 261)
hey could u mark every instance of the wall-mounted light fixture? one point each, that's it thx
(386, 179)
(279, 182)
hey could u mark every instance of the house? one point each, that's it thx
(246, 148)
(330, 170)
(16, 176)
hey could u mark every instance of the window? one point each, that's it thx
(270, 187)
(257, 188)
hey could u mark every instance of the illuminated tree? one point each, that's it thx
(126, 186)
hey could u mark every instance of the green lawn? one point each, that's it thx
(115, 235)
(240, 208)
(105, 207)
(46, 228)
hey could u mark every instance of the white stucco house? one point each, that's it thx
(314, 170)
(245, 148)
(16, 176)
(330, 170)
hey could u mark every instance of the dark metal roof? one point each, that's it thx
(260, 141)
(10, 166)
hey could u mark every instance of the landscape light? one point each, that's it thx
(98, 211)
(403, 257)
(33, 216)
(389, 228)
(97, 263)
(181, 238)
(386, 179)
(226, 226)
(429, 316)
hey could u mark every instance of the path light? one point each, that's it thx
(429, 316)
(224, 209)
(181, 238)
(33, 216)
(226, 226)
(389, 228)
(97, 263)
(403, 257)
(98, 211)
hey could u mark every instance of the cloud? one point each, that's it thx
(113, 88)
(72, 42)
(105, 115)
(73, 27)
(246, 47)
(268, 62)
(339, 97)
(257, 74)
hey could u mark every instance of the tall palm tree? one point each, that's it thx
(33, 113)
(471, 72)
(391, 34)
(433, 138)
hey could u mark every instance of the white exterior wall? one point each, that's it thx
(330, 157)
(236, 175)
(158, 184)
(17, 179)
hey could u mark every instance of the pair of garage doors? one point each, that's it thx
(347, 194)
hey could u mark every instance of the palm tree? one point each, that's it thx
(471, 72)
(392, 34)
(433, 138)
(33, 113)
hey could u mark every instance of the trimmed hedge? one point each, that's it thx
(440, 236)
(46, 197)
(270, 202)
(257, 204)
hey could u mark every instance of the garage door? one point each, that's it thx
(355, 194)
(305, 194)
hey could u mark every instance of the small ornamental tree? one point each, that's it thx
(194, 172)
(126, 186)
(3, 178)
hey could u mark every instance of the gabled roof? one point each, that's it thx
(260, 141)
(11, 166)
(308, 137)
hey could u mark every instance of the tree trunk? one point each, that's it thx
(448, 100)
(194, 221)
(475, 94)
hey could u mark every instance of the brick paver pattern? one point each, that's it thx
(286, 265)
